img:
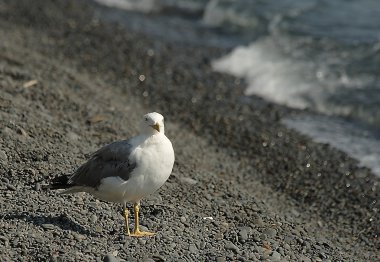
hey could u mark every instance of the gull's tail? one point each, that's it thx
(63, 182)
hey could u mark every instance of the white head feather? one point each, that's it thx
(152, 123)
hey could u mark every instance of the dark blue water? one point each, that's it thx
(323, 55)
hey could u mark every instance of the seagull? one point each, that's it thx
(125, 171)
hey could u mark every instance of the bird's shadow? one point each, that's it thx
(61, 221)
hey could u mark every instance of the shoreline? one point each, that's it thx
(241, 157)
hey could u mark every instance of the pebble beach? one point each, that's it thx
(244, 187)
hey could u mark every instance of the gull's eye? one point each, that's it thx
(146, 119)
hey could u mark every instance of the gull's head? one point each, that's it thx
(153, 123)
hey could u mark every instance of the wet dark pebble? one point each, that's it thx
(230, 246)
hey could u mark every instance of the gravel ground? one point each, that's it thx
(244, 188)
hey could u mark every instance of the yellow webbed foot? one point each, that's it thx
(138, 233)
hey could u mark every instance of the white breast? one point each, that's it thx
(154, 159)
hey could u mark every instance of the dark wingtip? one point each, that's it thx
(60, 182)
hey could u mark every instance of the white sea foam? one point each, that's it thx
(145, 6)
(217, 13)
(351, 139)
(276, 69)
(270, 74)
(155, 6)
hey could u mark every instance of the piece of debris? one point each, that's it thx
(187, 180)
(96, 118)
(30, 83)
(21, 131)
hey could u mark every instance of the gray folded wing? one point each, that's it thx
(110, 160)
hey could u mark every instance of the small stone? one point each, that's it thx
(11, 187)
(219, 236)
(158, 257)
(142, 241)
(48, 226)
(5, 180)
(110, 258)
(275, 256)
(256, 238)
(7, 132)
(259, 222)
(182, 219)
(143, 228)
(79, 237)
(37, 187)
(148, 260)
(5, 240)
(304, 258)
(93, 218)
(72, 136)
(154, 199)
(295, 213)
(220, 259)
(3, 156)
(263, 236)
(30, 171)
(271, 232)
(243, 233)
(193, 249)
(53, 258)
(129, 259)
(231, 246)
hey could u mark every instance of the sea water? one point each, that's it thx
(320, 55)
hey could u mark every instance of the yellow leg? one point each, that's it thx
(137, 232)
(126, 221)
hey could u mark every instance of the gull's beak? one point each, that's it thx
(156, 126)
